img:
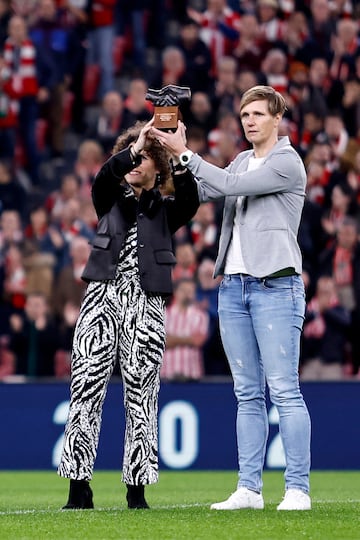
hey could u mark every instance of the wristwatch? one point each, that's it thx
(185, 157)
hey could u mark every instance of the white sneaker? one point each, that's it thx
(295, 499)
(241, 498)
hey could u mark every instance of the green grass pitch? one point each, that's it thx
(30, 508)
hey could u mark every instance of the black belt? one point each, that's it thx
(284, 272)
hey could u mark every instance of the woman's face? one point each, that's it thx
(143, 175)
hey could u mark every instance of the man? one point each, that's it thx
(261, 297)
(187, 329)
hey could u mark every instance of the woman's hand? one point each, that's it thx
(139, 145)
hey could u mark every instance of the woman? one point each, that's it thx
(122, 314)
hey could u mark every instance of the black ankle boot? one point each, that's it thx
(80, 495)
(135, 497)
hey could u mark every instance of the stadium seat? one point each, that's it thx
(67, 109)
(41, 133)
(119, 49)
(91, 83)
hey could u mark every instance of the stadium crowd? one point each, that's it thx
(74, 74)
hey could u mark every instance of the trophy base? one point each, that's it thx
(166, 118)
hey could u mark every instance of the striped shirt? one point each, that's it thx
(184, 361)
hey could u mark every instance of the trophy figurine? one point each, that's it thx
(167, 103)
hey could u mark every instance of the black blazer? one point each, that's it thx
(157, 219)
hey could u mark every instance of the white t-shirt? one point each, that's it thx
(234, 259)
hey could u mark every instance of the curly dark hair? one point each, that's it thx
(153, 148)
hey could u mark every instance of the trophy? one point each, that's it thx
(167, 102)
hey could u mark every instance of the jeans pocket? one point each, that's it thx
(277, 284)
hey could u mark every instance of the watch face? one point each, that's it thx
(185, 157)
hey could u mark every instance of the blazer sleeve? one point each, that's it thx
(106, 188)
(281, 172)
(182, 206)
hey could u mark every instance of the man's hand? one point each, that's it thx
(175, 142)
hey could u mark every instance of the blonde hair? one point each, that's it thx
(276, 102)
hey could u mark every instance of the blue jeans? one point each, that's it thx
(260, 323)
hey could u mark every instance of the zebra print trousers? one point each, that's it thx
(117, 322)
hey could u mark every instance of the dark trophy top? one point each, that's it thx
(169, 95)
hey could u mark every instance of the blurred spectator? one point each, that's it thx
(20, 60)
(249, 50)
(72, 225)
(42, 236)
(219, 29)
(200, 113)
(11, 235)
(12, 193)
(9, 109)
(5, 15)
(89, 159)
(101, 32)
(197, 140)
(75, 17)
(321, 27)
(56, 55)
(272, 28)
(320, 165)
(325, 334)
(69, 285)
(25, 8)
(186, 263)
(7, 358)
(187, 328)
(315, 93)
(344, 44)
(11, 229)
(197, 55)
(353, 176)
(311, 240)
(312, 126)
(56, 200)
(225, 84)
(172, 69)
(228, 125)
(342, 205)
(33, 338)
(343, 9)
(136, 107)
(15, 279)
(40, 273)
(246, 78)
(337, 134)
(207, 290)
(297, 33)
(342, 262)
(289, 128)
(274, 67)
(159, 18)
(109, 121)
(66, 330)
(88, 214)
(298, 74)
(350, 104)
(131, 19)
(205, 232)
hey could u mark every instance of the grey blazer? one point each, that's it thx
(272, 201)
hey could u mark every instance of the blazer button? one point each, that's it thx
(141, 245)
(141, 215)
